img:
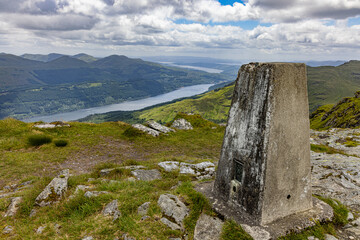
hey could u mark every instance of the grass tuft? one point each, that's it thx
(233, 231)
(60, 142)
(38, 140)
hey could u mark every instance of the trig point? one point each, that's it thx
(264, 167)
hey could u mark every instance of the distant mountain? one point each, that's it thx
(29, 87)
(42, 57)
(85, 57)
(324, 63)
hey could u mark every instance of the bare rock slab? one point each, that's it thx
(111, 209)
(55, 190)
(170, 224)
(182, 124)
(169, 166)
(173, 208)
(13, 207)
(208, 228)
(143, 209)
(159, 127)
(146, 175)
(147, 130)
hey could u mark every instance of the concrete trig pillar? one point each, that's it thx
(264, 168)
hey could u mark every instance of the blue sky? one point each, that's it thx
(252, 30)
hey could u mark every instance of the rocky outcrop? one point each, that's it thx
(146, 175)
(159, 127)
(208, 228)
(182, 124)
(143, 209)
(52, 125)
(111, 209)
(147, 130)
(204, 170)
(55, 190)
(13, 207)
(174, 211)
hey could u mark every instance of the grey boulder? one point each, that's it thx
(143, 209)
(208, 228)
(173, 208)
(111, 209)
(146, 175)
(147, 130)
(159, 127)
(13, 207)
(169, 166)
(182, 124)
(55, 190)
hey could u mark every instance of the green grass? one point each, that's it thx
(325, 149)
(233, 231)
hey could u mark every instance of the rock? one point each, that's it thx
(81, 188)
(356, 222)
(143, 209)
(131, 179)
(55, 190)
(88, 238)
(256, 232)
(111, 209)
(147, 130)
(8, 229)
(32, 213)
(144, 218)
(169, 166)
(187, 168)
(312, 238)
(13, 207)
(173, 208)
(159, 127)
(350, 216)
(40, 230)
(146, 175)
(182, 124)
(174, 238)
(57, 228)
(330, 237)
(90, 194)
(126, 237)
(52, 125)
(207, 228)
(105, 172)
(204, 170)
(170, 224)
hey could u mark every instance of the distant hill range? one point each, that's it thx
(57, 83)
(326, 85)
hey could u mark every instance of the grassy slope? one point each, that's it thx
(344, 114)
(96, 146)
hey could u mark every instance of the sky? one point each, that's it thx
(248, 30)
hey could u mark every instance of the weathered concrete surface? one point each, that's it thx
(321, 212)
(55, 190)
(268, 134)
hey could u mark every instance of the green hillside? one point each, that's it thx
(213, 106)
(325, 85)
(29, 88)
(328, 85)
(344, 114)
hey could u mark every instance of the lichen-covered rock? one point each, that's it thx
(147, 130)
(173, 208)
(204, 170)
(169, 165)
(187, 168)
(40, 230)
(330, 237)
(170, 224)
(8, 229)
(111, 209)
(55, 190)
(90, 194)
(159, 127)
(13, 207)
(208, 228)
(182, 124)
(105, 172)
(146, 175)
(143, 209)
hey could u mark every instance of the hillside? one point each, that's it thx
(344, 114)
(213, 106)
(102, 159)
(325, 85)
(29, 88)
